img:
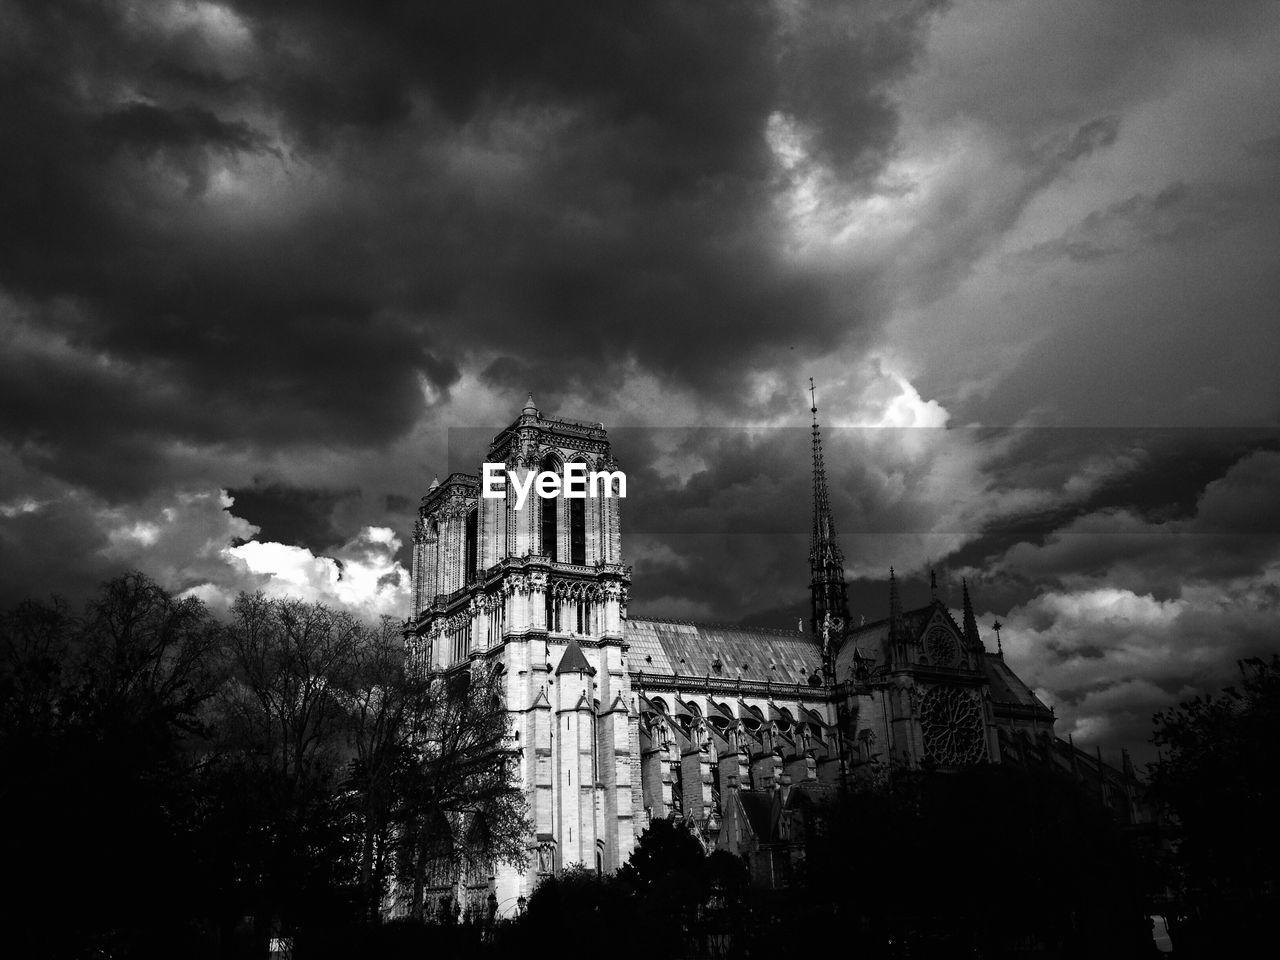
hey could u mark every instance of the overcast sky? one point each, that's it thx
(257, 260)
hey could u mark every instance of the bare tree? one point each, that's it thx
(380, 696)
(464, 804)
(289, 660)
(142, 646)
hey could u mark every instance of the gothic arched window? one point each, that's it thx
(472, 528)
(550, 525)
(577, 531)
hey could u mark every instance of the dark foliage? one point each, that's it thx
(181, 787)
(100, 717)
(1217, 780)
(987, 861)
(990, 862)
(698, 902)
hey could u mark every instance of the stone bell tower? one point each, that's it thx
(539, 591)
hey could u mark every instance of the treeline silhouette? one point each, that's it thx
(176, 785)
(1217, 783)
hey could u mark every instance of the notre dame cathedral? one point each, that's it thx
(618, 720)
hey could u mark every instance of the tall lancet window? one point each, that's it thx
(472, 528)
(577, 531)
(550, 524)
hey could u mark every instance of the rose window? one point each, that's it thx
(941, 647)
(951, 721)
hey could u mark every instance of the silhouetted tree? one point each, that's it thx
(100, 730)
(461, 802)
(989, 859)
(282, 722)
(381, 699)
(1217, 777)
(283, 703)
(668, 871)
(596, 909)
(166, 775)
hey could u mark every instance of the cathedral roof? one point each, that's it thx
(682, 648)
(870, 638)
(1007, 687)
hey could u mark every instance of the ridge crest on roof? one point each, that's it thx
(772, 631)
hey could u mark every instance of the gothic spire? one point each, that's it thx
(970, 621)
(933, 584)
(895, 607)
(827, 588)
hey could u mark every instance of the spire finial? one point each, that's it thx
(435, 482)
(933, 584)
(999, 648)
(529, 406)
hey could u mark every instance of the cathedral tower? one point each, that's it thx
(538, 590)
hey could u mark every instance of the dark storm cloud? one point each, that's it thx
(574, 185)
(185, 137)
(301, 516)
(1178, 214)
(1233, 531)
(1123, 616)
(1085, 497)
(271, 247)
(1092, 136)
